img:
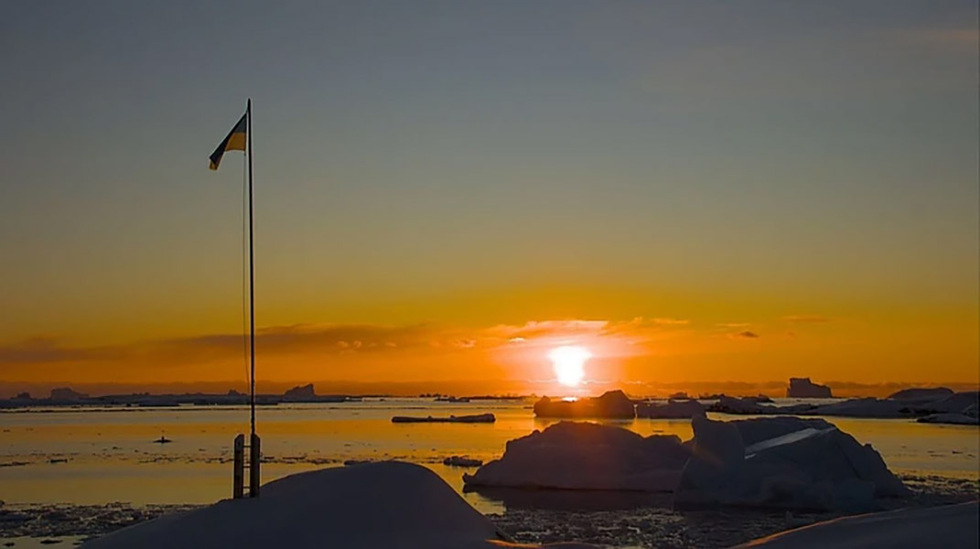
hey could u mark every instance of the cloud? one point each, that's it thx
(344, 339)
(40, 350)
(733, 324)
(670, 321)
(746, 335)
(806, 319)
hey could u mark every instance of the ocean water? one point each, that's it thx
(98, 456)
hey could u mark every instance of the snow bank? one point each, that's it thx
(586, 456)
(611, 405)
(673, 409)
(949, 526)
(783, 462)
(388, 504)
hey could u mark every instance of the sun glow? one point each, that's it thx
(569, 362)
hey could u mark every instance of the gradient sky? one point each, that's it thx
(446, 190)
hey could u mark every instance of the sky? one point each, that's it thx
(446, 191)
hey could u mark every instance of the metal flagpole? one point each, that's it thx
(251, 268)
(255, 450)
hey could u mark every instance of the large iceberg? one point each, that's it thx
(783, 462)
(802, 387)
(586, 456)
(611, 405)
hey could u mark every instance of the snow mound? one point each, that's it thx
(611, 405)
(948, 526)
(783, 462)
(586, 456)
(673, 409)
(387, 504)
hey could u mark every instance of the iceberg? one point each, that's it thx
(802, 387)
(611, 405)
(586, 456)
(673, 409)
(783, 462)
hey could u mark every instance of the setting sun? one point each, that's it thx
(569, 364)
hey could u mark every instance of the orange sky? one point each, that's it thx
(698, 192)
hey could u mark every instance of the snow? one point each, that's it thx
(783, 462)
(387, 504)
(673, 409)
(586, 456)
(949, 526)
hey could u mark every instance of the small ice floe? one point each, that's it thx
(950, 419)
(475, 418)
(462, 461)
(673, 409)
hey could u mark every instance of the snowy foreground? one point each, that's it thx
(385, 504)
(775, 463)
(947, 526)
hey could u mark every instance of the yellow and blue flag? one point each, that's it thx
(234, 142)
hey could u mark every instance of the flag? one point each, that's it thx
(234, 142)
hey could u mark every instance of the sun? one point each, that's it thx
(568, 362)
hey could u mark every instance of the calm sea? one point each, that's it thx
(97, 456)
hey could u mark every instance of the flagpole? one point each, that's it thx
(251, 269)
